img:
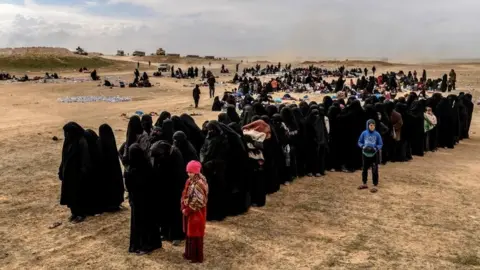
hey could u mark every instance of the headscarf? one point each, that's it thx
(247, 115)
(232, 114)
(147, 123)
(271, 110)
(223, 118)
(196, 195)
(163, 116)
(289, 119)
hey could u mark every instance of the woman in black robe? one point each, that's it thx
(94, 185)
(238, 181)
(300, 142)
(181, 142)
(169, 177)
(333, 161)
(147, 123)
(232, 114)
(445, 122)
(74, 171)
(316, 143)
(385, 130)
(352, 121)
(111, 172)
(196, 136)
(417, 112)
(213, 156)
(405, 133)
(217, 105)
(163, 116)
(462, 115)
(467, 101)
(274, 160)
(256, 163)
(433, 133)
(293, 138)
(134, 132)
(281, 132)
(144, 231)
(457, 126)
(443, 86)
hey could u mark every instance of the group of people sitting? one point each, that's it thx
(51, 76)
(245, 157)
(192, 72)
(140, 81)
(5, 76)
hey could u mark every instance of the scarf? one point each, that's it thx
(197, 193)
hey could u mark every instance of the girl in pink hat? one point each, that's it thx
(194, 209)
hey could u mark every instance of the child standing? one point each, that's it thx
(371, 143)
(194, 209)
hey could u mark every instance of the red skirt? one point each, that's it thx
(194, 249)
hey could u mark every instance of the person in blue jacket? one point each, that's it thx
(371, 143)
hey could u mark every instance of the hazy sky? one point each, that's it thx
(404, 29)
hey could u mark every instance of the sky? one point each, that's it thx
(407, 29)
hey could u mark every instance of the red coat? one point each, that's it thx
(193, 221)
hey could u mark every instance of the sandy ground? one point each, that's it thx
(426, 215)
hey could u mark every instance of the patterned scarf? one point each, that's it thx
(197, 193)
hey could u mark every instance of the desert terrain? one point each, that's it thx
(426, 214)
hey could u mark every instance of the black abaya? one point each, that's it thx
(74, 170)
(111, 173)
(213, 156)
(417, 137)
(94, 176)
(144, 230)
(169, 178)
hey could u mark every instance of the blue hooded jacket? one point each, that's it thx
(370, 138)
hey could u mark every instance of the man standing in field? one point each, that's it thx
(196, 95)
(453, 78)
(211, 84)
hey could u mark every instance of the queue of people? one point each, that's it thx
(179, 175)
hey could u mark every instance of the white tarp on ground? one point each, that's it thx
(87, 99)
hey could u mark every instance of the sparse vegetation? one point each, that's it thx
(48, 62)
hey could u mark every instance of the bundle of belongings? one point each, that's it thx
(254, 141)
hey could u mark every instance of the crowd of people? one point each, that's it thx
(238, 159)
(314, 78)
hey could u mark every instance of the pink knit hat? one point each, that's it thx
(194, 167)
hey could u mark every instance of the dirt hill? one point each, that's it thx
(47, 58)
